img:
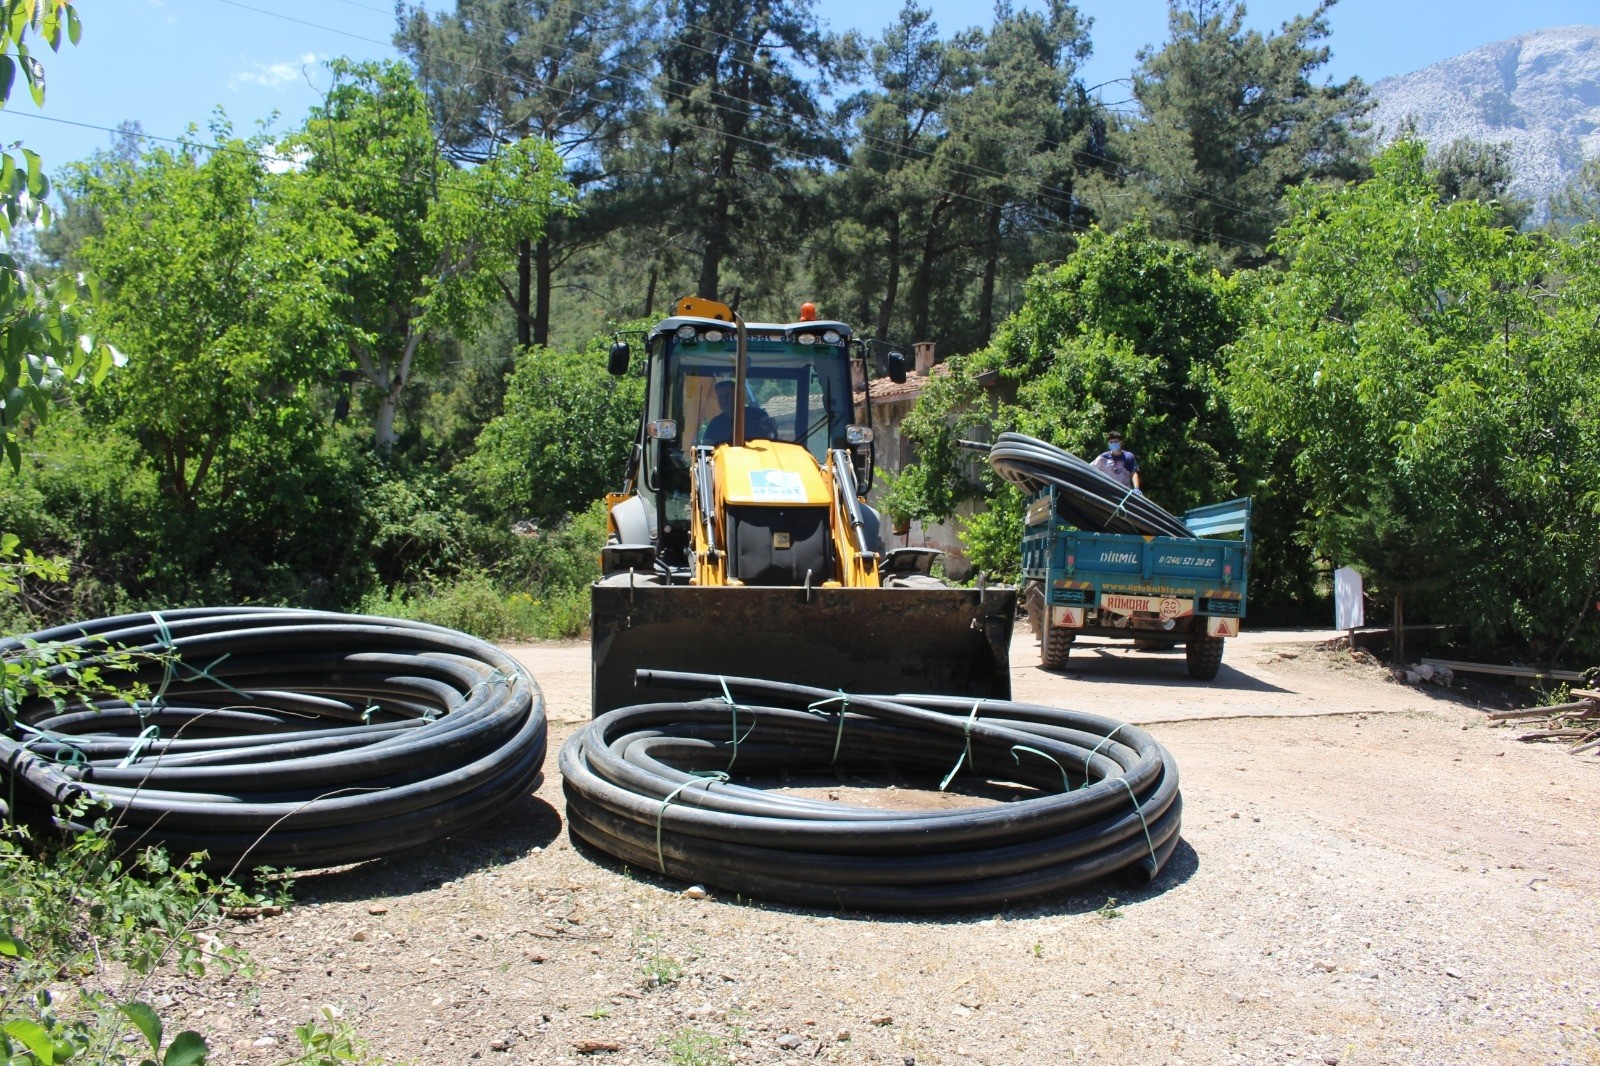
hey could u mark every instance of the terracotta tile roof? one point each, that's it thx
(886, 391)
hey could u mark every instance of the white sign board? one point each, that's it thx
(1349, 609)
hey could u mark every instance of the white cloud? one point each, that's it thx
(274, 74)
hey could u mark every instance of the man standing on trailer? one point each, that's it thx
(1118, 464)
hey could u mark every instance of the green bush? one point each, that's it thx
(541, 591)
(474, 604)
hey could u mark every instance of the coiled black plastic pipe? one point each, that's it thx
(645, 784)
(1089, 499)
(281, 737)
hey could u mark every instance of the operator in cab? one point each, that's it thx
(757, 423)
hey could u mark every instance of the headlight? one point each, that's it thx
(712, 336)
(687, 335)
(807, 338)
(831, 337)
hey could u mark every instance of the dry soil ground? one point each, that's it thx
(1368, 875)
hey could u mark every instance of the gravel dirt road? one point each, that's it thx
(1369, 874)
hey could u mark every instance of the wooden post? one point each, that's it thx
(1398, 652)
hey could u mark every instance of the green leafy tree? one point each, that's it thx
(223, 284)
(563, 440)
(1128, 334)
(1441, 413)
(1229, 119)
(47, 343)
(428, 240)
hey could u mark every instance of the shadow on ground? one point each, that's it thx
(509, 835)
(1155, 669)
(1104, 895)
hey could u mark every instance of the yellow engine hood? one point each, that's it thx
(770, 474)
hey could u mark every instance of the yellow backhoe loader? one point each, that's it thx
(742, 542)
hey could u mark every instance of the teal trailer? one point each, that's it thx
(1156, 591)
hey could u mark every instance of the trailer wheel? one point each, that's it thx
(1204, 656)
(1054, 646)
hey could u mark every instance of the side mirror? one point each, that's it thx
(897, 368)
(617, 363)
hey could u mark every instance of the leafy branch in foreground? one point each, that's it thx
(46, 345)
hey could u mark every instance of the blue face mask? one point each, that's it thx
(1115, 446)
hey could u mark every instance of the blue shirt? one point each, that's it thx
(1118, 466)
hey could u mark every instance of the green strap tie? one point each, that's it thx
(1123, 502)
(1066, 785)
(169, 668)
(966, 754)
(1096, 751)
(158, 700)
(74, 755)
(1154, 862)
(701, 777)
(843, 700)
(146, 735)
(733, 709)
(496, 677)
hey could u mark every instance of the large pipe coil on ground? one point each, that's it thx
(278, 737)
(662, 786)
(1089, 499)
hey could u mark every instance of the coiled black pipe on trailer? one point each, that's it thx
(1090, 499)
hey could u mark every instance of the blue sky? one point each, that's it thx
(167, 63)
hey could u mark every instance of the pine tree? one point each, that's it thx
(741, 82)
(496, 71)
(1229, 119)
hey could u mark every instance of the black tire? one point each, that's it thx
(1054, 646)
(1204, 656)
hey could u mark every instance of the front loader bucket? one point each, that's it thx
(865, 640)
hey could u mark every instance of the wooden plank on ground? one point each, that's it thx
(1507, 671)
(1582, 706)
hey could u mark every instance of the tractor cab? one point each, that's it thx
(797, 387)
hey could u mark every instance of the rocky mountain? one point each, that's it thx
(1540, 92)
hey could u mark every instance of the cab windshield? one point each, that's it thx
(796, 392)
